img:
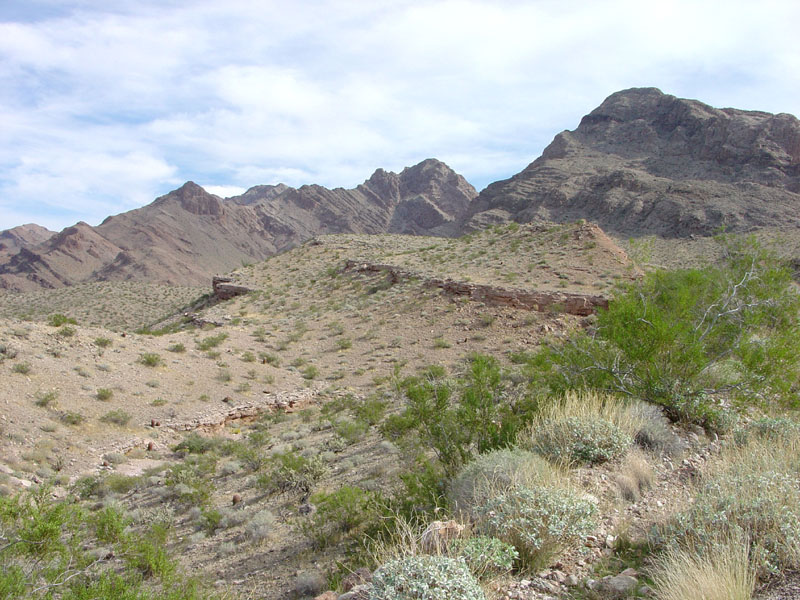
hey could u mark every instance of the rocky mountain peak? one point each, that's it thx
(645, 162)
(194, 199)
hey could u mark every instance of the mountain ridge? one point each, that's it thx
(187, 235)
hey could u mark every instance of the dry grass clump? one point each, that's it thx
(751, 491)
(635, 476)
(584, 427)
(722, 574)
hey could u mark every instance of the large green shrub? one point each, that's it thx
(458, 419)
(425, 578)
(684, 338)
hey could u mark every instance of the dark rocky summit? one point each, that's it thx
(645, 162)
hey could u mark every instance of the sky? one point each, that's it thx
(105, 105)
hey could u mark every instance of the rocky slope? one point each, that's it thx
(645, 162)
(188, 235)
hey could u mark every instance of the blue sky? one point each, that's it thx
(106, 105)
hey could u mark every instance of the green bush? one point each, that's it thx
(21, 368)
(104, 394)
(482, 417)
(102, 342)
(177, 348)
(425, 578)
(539, 522)
(771, 428)
(57, 320)
(45, 399)
(117, 417)
(211, 341)
(487, 557)
(345, 512)
(150, 359)
(292, 472)
(686, 339)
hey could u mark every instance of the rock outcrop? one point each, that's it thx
(645, 162)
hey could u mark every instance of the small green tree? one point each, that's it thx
(680, 338)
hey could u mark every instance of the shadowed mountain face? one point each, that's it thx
(188, 235)
(644, 162)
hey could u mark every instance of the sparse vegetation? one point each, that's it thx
(150, 359)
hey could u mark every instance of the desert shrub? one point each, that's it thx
(485, 556)
(654, 432)
(270, 359)
(634, 477)
(66, 331)
(771, 428)
(212, 341)
(117, 417)
(483, 415)
(150, 359)
(583, 427)
(261, 526)
(104, 394)
(177, 348)
(539, 522)
(496, 471)
(310, 372)
(344, 344)
(22, 368)
(292, 472)
(685, 339)
(371, 410)
(723, 574)
(425, 578)
(580, 440)
(190, 481)
(50, 550)
(109, 524)
(57, 320)
(71, 418)
(102, 342)
(345, 512)
(749, 492)
(45, 399)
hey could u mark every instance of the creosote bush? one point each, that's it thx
(690, 339)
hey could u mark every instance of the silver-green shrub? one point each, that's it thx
(581, 439)
(539, 522)
(425, 578)
(496, 471)
(487, 556)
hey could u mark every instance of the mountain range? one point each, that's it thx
(641, 163)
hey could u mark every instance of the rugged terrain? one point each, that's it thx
(188, 235)
(645, 162)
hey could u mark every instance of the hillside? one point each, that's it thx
(188, 235)
(646, 163)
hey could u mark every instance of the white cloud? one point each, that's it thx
(104, 106)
